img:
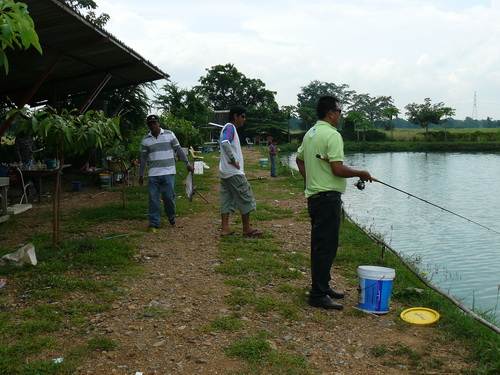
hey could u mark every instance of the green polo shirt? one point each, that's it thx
(325, 140)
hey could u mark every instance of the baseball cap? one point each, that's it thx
(152, 118)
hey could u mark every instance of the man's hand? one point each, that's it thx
(141, 180)
(236, 164)
(190, 168)
(365, 176)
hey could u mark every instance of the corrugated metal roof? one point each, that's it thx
(87, 54)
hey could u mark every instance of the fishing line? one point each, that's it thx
(435, 205)
(361, 185)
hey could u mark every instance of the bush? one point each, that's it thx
(184, 130)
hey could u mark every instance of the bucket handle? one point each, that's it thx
(369, 286)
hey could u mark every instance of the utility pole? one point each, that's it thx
(474, 108)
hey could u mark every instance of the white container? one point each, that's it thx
(198, 167)
(375, 287)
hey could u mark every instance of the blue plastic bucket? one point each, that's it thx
(375, 287)
(77, 185)
(4, 170)
(51, 163)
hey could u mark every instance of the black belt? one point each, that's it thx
(325, 194)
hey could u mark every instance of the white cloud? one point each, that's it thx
(441, 49)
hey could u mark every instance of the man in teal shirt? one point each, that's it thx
(325, 181)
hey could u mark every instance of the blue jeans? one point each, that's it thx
(273, 165)
(324, 210)
(164, 186)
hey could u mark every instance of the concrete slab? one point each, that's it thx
(18, 208)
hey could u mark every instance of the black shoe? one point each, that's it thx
(171, 220)
(325, 302)
(337, 294)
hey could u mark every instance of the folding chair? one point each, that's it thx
(120, 168)
(260, 141)
(192, 152)
(16, 179)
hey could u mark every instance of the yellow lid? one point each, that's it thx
(420, 316)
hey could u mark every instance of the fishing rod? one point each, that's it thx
(361, 185)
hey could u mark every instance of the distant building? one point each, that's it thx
(220, 117)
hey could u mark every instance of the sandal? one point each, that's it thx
(253, 234)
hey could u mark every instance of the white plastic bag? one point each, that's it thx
(25, 254)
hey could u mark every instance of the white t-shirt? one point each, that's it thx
(230, 135)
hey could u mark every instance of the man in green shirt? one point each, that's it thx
(325, 181)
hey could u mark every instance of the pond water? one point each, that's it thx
(461, 257)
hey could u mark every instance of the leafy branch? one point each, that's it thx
(17, 30)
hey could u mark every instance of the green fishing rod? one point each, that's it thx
(361, 185)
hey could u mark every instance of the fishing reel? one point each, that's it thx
(360, 185)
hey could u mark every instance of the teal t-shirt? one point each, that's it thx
(325, 140)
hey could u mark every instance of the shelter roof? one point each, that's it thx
(78, 58)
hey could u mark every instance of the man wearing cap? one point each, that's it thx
(158, 147)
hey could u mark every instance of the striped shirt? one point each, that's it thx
(159, 152)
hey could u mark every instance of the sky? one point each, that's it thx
(445, 50)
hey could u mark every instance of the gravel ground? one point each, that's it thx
(157, 318)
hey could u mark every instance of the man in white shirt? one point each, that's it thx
(236, 192)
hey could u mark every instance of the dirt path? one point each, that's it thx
(158, 319)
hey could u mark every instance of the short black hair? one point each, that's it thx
(236, 110)
(325, 104)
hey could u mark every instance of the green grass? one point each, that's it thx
(250, 349)
(401, 355)
(46, 291)
(81, 265)
(228, 323)
(264, 278)
(458, 327)
(262, 358)
(101, 343)
(418, 134)
(248, 267)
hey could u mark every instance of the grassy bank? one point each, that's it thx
(419, 146)
(356, 249)
(422, 146)
(82, 278)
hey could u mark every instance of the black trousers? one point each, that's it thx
(324, 209)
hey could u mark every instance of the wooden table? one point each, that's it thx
(210, 146)
(4, 184)
(39, 175)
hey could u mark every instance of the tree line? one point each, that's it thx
(189, 110)
(121, 114)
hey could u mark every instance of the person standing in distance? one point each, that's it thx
(235, 191)
(325, 182)
(273, 152)
(158, 148)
